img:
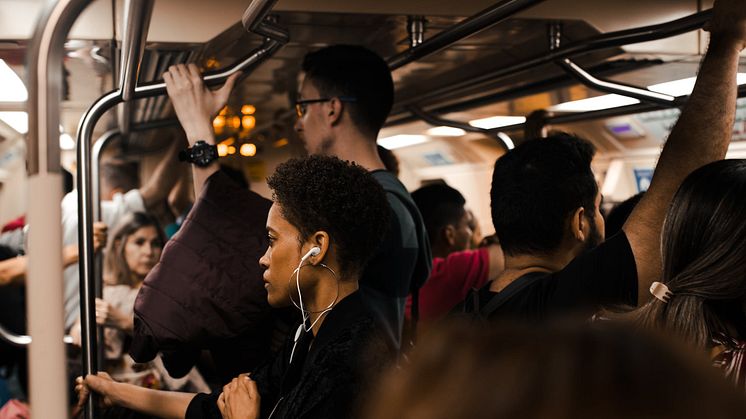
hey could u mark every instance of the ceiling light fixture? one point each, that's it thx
(444, 131)
(401, 140)
(17, 120)
(497, 121)
(13, 88)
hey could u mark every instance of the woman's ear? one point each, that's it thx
(321, 240)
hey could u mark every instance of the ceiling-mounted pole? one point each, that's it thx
(47, 372)
(416, 30)
(461, 30)
(137, 14)
(596, 43)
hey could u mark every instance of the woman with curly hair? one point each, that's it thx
(327, 219)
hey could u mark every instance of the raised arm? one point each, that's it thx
(163, 179)
(700, 136)
(195, 106)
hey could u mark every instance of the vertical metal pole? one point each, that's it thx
(86, 261)
(44, 288)
(98, 148)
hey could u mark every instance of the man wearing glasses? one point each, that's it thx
(343, 101)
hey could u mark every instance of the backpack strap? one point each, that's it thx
(509, 292)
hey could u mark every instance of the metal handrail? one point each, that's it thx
(23, 340)
(48, 377)
(463, 29)
(611, 112)
(136, 23)
(597, 43)
(85, 198)
(438, 121)
(586, 78)
(639, 93)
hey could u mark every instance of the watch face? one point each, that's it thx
(203, 154)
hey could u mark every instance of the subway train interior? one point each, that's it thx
(473, 80)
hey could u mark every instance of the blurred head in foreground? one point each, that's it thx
(465, 371)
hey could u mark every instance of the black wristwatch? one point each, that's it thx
(201, 154)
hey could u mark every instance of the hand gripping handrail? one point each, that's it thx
(275, 38)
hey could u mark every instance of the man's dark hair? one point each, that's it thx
(536, 186)
(440, 205)
(321, 193)
(120, 174)
(357, 72)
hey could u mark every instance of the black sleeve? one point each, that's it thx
(604, 276)
(204, 406)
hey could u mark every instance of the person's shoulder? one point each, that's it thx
(611, 255)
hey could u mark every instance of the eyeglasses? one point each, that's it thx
(300, 105)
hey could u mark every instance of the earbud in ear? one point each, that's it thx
(313, 252)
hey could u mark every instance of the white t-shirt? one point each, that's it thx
(111, 213)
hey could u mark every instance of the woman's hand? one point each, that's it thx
(99, 235)
(240, 399)
(101, 384)
(195, 105)
(108, 315)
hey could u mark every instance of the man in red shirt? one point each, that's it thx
(456, 270)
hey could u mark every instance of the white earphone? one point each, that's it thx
(313, 252)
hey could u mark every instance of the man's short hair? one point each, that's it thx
(536, 186)
(357, 72)
(440, 206)
(118, 174)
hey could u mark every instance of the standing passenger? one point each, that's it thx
(456, 268)
(545, 201)
(344, 99)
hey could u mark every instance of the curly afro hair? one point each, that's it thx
(321, 193)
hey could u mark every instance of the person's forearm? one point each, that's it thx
(703, 131)
(163, 178)
(162, 404)
(700, 136)
(12, 270)
(70, 255)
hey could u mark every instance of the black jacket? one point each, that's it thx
(207, 290)
(329, 380)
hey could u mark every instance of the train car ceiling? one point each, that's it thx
(210, 34)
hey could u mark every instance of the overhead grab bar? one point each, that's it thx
(470, 26)
(438, 121)
(599, 42)
(612, 112)
(645, 95)
(613, 87)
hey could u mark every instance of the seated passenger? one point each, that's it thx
(326, 222)
(702, 298)
(545, 202)
(552, 372)
(456, 269)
